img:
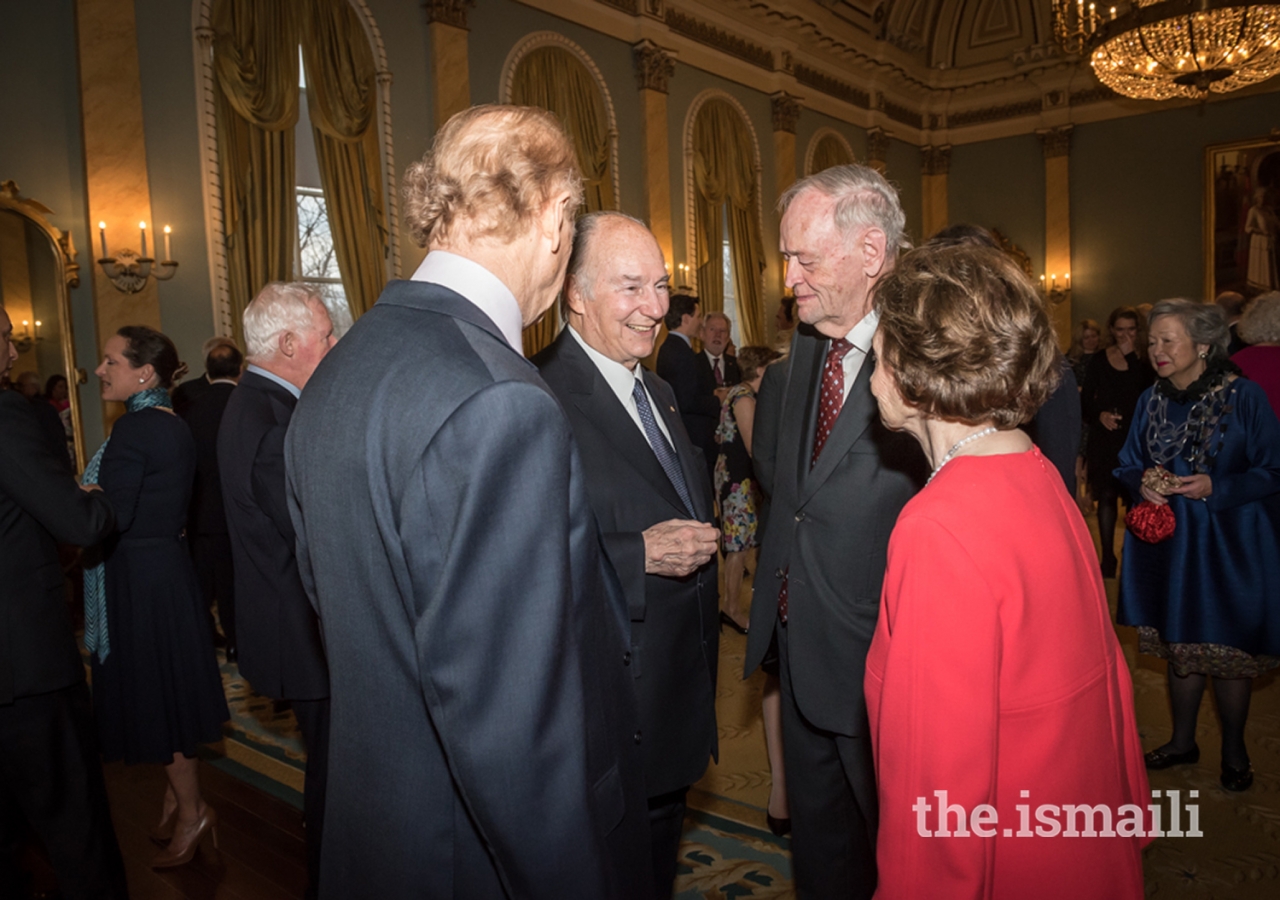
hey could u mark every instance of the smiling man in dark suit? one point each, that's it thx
(485, 740)
(837, 479)
(287, 331)
(652, 498)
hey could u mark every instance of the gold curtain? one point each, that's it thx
(256, 84)
(342, 95)
(829, 152)
(554, 79)
(724, 175)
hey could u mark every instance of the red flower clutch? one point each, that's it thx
(1150, 522)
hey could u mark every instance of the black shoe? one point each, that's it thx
(726, 619)
(1234, 779)
(778, 826)
(1160, 758)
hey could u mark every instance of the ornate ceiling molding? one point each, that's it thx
(706, 33)
(832, 87)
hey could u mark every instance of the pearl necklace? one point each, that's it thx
(990, 429)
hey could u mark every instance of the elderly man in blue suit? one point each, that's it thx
(484, 739)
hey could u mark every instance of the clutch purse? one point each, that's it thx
(1150, 522)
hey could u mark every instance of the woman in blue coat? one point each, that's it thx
(1207, 443)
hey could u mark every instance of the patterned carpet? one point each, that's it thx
(729, 853)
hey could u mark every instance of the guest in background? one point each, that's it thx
(785, 318)
(1232, 304)
(678, 365)
(287, 332)
(1204, 599)
(1085, 344)
(994, 673)
(653, 502)
(28, 385)
(186, 392)
(1260, 361)
(57, 392)
(50, 773)
(207, 524)
(718, 362)
(156, 686)
(735, 482)
(1112, 386)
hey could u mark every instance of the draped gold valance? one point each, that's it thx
(552, 78)
(255, 52)
(829, 151)
(727, 190)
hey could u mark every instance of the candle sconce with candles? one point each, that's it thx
(1053, 290)
(129, 271)
(682, 286)
(28, 337)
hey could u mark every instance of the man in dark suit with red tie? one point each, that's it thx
(652, 498)
(837, 479)
(287, 331)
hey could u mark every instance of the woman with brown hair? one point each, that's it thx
(994, 683)
(157, 691)
(1112, 385)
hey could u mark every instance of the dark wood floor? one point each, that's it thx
(261, 840)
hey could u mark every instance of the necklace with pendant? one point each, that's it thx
(990, 429)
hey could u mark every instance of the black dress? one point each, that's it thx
(159, 691)
(1107, 389)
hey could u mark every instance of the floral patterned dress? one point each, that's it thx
(736, 485)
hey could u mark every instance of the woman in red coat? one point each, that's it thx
(998, 697)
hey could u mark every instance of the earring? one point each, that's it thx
(144, 381)
(1204, 355)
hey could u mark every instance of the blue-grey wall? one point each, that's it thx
(1000, 184)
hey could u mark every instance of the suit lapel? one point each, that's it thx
(854, 419)
(599, 404)
(803, 395)
(693, 475)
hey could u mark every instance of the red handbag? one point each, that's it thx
(1150, 522)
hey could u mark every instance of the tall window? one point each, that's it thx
(316, 261)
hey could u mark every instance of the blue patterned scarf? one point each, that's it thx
(95, 582)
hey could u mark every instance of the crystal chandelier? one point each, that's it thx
(1159, 49)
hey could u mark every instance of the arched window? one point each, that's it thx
(550, 71)
(263, 223)
(827, 148)
(722, 188)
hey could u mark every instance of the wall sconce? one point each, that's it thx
(1054, 292)
(682, 280)
(28, 337)
(129, 271)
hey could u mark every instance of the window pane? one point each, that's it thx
(315, 241)
(335, 301)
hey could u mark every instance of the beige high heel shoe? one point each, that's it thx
(182, 847)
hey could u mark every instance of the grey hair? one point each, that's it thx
(717, 315)
(279, 307)
(1205, 323)
(863, 199)
(1260, 323)
(578, 269)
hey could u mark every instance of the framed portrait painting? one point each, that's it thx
(1242, 216)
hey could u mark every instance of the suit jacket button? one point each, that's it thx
(779, 573)
(799, 517)
(637, 736)
(626, 658)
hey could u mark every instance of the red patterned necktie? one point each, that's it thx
(829, 403)
(719, 374)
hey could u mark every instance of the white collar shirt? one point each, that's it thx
(272, 376)
(478, 286)
(860, 336)
(622, 382)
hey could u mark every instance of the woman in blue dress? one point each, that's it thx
(157, 691)
(1206, 442)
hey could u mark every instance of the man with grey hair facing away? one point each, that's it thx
(287, 332)
(837, 479)
(484, 739)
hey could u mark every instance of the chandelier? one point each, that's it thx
(1160, 49)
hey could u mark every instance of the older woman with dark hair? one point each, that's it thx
(1260, 362)
(995, 683)
(157, 691)
(1207, 444)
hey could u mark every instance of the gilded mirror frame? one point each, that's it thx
(65, 251)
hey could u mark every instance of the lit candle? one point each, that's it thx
(142, 227)
(168, 254)
(1068, 277)
(38, 324)
(1053, 281)
(102, 235)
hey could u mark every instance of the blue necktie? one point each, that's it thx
(666, 455)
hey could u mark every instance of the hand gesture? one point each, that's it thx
(678, 546)
(1110, 421)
